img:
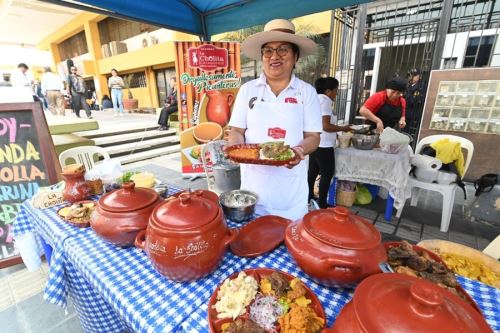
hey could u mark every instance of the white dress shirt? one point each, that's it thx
(51, 81)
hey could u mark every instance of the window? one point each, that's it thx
(134, 80)
(450, 63)
(73, 46)
(478, 51)
(113, 29)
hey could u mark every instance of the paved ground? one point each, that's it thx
(24, 311)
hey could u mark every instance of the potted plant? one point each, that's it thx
(129, 103)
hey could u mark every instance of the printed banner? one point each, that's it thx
(208, 79)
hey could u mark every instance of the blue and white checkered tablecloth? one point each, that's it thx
(126, 279)
(334, 299)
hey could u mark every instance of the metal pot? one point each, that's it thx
(334, 247)
(186, 237)
(226, 177)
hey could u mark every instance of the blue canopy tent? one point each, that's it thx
(206, 18)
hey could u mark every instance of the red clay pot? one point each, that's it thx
(186, 237)
(206, 194)
(75, 188)
(334, 247)
(219, 106)
(397, 303)
(121, 214)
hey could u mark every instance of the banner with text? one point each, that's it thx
(208, 79)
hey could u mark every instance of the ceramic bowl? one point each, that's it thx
(207, 131)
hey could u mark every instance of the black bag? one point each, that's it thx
(485, 183)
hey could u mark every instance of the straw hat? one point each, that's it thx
(278, 30)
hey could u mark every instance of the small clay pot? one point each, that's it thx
(121, 214)
(405, 304)
(186, 237)
(334, 247)
(75, 188)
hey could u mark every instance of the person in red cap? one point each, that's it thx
(387, 108)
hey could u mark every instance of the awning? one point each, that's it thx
(206, 18)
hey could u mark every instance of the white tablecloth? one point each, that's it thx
(375, 167)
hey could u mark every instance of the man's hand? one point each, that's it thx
(380, 126)
(402, 123)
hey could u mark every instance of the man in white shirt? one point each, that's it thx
(20, 78)
(52, 88)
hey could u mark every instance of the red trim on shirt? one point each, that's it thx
(375, 102)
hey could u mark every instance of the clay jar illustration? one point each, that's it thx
(219, 106)
(76, 188)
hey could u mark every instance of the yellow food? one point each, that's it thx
(234, 296)
(64, 211)
(246, 153)
(471, 269)
(143, 179)
(265, 287)
(301, 320)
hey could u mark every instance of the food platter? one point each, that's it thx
(457, 289)
(260, 236)
(250, 154)
(266, 281)
(78, 214)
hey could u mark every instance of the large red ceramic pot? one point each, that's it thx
(334, 247)
(121, 214)
(186, 237)
(397, 303)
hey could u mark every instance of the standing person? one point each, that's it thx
(53, 88)
(278, 106)
(415, 97)
(116, 84)
(20, 77)
(387, 108)
(77, 90)
(322, 161)
(169, 106)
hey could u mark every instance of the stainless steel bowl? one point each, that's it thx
(360, 129)
(238, 205)
(364, 142)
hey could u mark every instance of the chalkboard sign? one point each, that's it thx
(27, 162)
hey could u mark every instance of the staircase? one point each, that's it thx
(135, 142)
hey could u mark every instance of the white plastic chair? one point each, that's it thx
(85, 155)
(447, 191)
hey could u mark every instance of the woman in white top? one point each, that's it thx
(277, 106)
(322, 161)
(115, 83)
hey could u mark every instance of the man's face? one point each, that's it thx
(23, 69)
(278, 60)
(73, 70)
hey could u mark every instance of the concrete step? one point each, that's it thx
(129, 128)
(127, 137)
(150, 153)
(138, 145)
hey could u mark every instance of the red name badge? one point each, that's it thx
(276, 133)
(291, 100)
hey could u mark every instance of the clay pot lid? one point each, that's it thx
(402, 303)
(336, 227)
(128, 199)
(260, 236)
(187, 212)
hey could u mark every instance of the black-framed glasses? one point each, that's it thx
(268, 52)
